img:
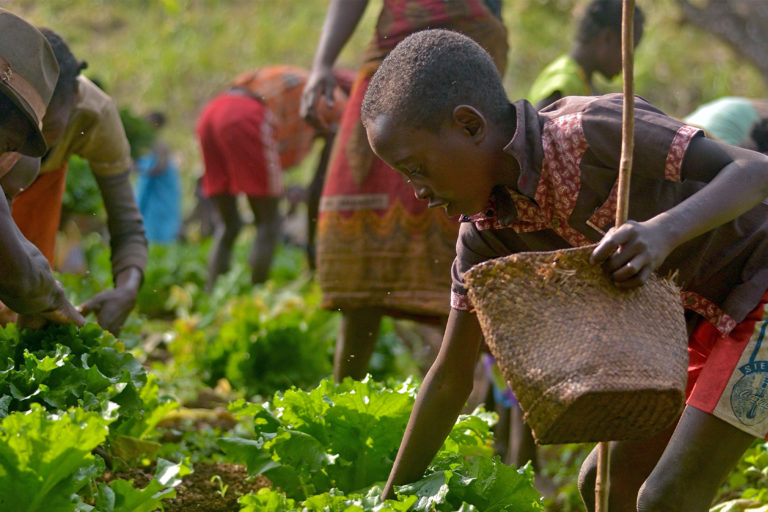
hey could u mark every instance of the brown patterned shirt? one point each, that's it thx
(566, 196)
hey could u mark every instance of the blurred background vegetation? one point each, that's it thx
(174, 55)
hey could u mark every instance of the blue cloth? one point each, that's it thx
(159, 199)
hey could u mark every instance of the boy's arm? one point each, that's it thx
(737, 181)
(444, 392)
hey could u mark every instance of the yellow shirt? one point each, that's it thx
(94, 132)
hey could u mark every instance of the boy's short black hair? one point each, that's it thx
(601, 14)
(759, 134)
(428, 74)
(69, 66)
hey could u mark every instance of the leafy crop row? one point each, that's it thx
(331, 449)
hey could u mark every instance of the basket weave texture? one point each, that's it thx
(587, 361)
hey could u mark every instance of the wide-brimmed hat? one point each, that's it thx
(28, 74)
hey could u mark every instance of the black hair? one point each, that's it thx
(760, 135)
(156, 118)
(428, 74)
(69, 66)
(601, 14)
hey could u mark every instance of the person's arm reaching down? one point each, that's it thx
(443, 393)
(129, 252)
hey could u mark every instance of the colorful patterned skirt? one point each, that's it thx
(377, 245)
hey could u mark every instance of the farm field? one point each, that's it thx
(223, 400)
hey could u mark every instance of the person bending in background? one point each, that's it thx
(158, 187)
(380, 250)
(83, 120)
(29, 71)
(730, 119)
(249, 135)
(596, 48)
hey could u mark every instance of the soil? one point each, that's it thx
(197, 493)
(201, 491)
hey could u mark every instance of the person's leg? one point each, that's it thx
(699, 456)
(522, 447)
(227, 225)
(631, 462)
(358, 332)
(266, 217)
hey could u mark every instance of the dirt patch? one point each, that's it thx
(213, 487)
(202, 491)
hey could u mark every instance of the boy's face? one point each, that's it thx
(451, 168)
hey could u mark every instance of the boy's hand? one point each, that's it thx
(631, 252)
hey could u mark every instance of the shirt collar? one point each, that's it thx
(525, 147)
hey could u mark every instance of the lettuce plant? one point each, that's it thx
(46, 458)
(333, 445)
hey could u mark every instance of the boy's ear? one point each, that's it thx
(471, 121)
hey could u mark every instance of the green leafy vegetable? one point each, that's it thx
(121, 496)
(63, 366)
(332, 445)
(46, 458)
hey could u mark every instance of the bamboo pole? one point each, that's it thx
(628, 117)
(602, 479)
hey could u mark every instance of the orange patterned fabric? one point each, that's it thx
(378, 246)
(280, 87)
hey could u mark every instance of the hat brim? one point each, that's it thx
(35, 144)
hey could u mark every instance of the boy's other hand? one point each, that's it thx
(631, 252)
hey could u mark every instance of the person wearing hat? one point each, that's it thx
(28, 73)
(82, 120)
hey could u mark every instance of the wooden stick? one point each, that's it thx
(628, 117)
(602, 479)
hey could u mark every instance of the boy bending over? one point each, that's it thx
(524, 180)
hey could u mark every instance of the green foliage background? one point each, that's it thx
(175, 54)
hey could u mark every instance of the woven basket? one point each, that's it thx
(586, 360)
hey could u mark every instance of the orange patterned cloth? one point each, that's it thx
(280, 87)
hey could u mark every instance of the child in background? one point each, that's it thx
(158, 188)
(249, 135)
(730, 119)
(437, 111)
(596, 48)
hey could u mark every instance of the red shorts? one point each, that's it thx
(728, 376)
(236, 134)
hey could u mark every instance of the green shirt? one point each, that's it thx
(564, 75)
